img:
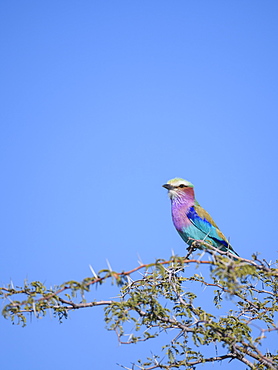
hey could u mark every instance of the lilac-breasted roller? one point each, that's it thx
(191, 220)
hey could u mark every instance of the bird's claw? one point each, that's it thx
(192, 248)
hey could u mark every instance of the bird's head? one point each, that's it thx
(179, 188)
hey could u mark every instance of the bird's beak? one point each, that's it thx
(167, 186)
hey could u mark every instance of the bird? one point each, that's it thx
(191, 221)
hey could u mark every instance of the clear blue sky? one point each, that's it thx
(101, 104)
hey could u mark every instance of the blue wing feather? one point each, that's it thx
(209, 231)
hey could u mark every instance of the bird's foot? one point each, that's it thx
(192, 248)
(196, 245)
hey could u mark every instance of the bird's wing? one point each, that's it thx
(201, 219)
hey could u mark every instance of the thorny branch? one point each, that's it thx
(159, 301)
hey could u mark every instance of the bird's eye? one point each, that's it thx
(182, 186)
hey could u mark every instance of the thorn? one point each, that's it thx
(93, 271)
(9, 299)
(130, 337)
(130, 281)
(109, 266)
(206, 236)
(201, 255)
(139, 260)
(34, 309)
